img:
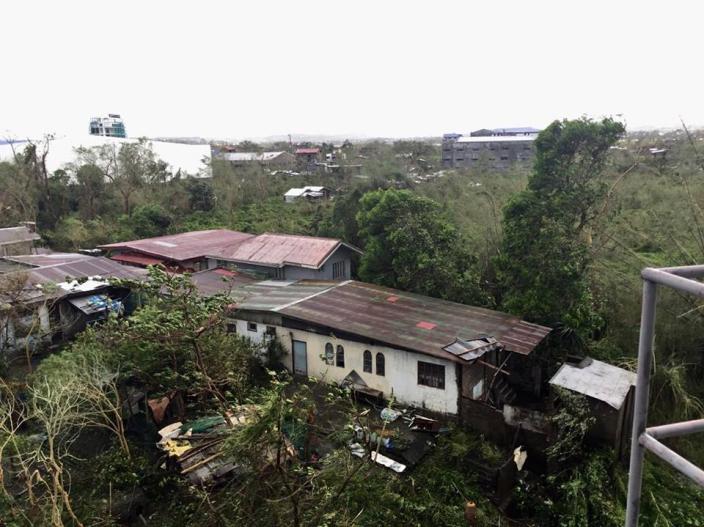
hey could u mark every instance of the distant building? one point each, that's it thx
(110, 126)
(497, 148)
(307, 158)
(270, 159)
(310, 193)
(505, 132)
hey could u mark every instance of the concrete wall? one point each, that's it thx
(401, 367)
(17, 248)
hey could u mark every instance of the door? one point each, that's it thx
(300, 358)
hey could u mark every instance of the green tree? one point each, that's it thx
(409, 244)
(70, 234)
(91, 185)
(150, 220)
(545, 256)
(200, 195)
(128, 167)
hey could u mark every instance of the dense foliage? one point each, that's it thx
(544, 259)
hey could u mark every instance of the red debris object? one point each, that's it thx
(425, 325)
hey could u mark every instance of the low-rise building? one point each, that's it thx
(386, 343)
(307, 158)
(182, 252)
(289, 257)
(44, 302)
(278, 256)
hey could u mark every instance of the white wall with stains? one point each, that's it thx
(401, 367)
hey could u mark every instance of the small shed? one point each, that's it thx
(609, 390)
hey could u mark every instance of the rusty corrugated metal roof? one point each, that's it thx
(40, 260)
(93, 266)
(277, 250)
(397, 318)
(183, 246)
(217, 281)
(98, 268)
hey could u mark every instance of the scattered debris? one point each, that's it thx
(389, 415)
(425, 424)
(388, 462)
(195, 448)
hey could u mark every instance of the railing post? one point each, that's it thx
(640, 413)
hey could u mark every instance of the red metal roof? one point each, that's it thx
(363, 309)
(138, 259)
(307, 151)
(277, 250)
(184, 246)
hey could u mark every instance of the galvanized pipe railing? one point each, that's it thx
(681, 279)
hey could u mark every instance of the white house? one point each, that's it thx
(422, 351)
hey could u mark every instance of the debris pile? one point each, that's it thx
(195, 449)
(399, 441)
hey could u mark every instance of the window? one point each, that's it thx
(340, 357)
(338, 269)
(231, 327)
(432, 375)
(380, 364)
(367, 361)
(329, 354)
(252, 326)
(279, 273)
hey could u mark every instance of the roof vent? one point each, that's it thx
(425, 325)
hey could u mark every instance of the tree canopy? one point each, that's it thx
(545, 251)
(409, 244)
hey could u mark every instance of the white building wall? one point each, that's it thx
(401, 379)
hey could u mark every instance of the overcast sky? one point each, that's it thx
(363, 68)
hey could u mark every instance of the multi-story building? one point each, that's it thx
(498, 148)
(110, 126)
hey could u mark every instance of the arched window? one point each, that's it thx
(329, 354)
(367, 361)
(340, 357)
(380, 364)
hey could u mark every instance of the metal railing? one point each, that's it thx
(681, 279)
